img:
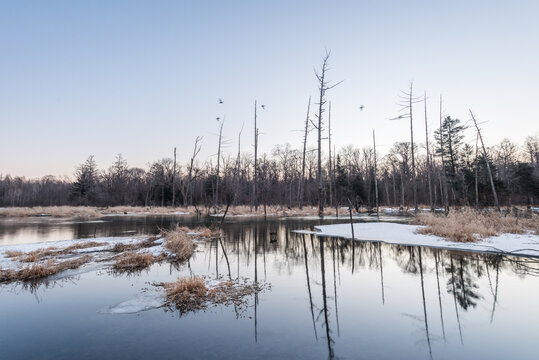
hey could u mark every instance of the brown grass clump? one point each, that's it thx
(132, 261)
(13, 253)
(469, 225)
(179, 243)
(186, 294)
(192, 294)
(39, 270)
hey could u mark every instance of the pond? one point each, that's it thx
(328, 298)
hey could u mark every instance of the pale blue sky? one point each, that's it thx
(141, 77)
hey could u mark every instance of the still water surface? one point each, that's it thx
(329, 298)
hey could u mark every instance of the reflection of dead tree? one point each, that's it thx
(424, 303)
(439, 294)
(496, 263)
(324, 297)
(335, 287)
(256, 282)
(309, 285)
(381, 271)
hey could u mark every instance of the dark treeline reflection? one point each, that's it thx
(449, 284)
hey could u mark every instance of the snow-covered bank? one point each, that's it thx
(105, 244)
(401, 234)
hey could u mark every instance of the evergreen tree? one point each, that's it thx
(84, 187)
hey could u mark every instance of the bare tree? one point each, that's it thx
(487, 162)
(301, 190)
(174, 180)
(429, 167)
(323, 86)
(445, 194)
(219, 161)
(255, 199)
(375, 175)
(196, 150)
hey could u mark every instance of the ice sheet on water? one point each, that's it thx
(147, 300)
(393, 233)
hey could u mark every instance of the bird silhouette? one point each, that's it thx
(221, 101)
(263, 106)
(217, 118)
(361, 107)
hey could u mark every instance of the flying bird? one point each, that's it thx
(221, 101)
(217, 118)
(263, 106)
(361, 107)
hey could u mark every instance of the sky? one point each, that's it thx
(80, 78)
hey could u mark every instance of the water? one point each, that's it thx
(328, 298)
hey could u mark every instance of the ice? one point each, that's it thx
(401, 234)
(141, 302)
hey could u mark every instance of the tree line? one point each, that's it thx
(289, 177)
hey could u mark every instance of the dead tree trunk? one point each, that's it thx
(375, 175)
(255, 199)
(330, 172)
(476, 172)
(218, 162)
(414, 184)
(445, 194)
(323, 86)
(301, 190)
(196, 150)
(429, 168)
(236, 181)
(487, 162)
(174, 180)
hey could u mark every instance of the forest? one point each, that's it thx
(288, 176)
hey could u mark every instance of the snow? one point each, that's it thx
(403, 234)
(8, 263)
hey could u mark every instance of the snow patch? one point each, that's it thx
(401, 234)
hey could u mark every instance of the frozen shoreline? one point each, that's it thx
(401, 234)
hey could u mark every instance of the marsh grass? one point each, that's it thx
(467, 225)
(190, 294)
(39, 270)
(89, 212)
(50, 252)
(132, 262)
(122, 247)
(96, 212)
(179, 242)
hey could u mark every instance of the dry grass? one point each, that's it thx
(39, 270)
(179, 243)
(88, 212)
(131, 261)
(469, 225)
(96, 212)
(121, 247)
(50, 252)
(193, 294)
